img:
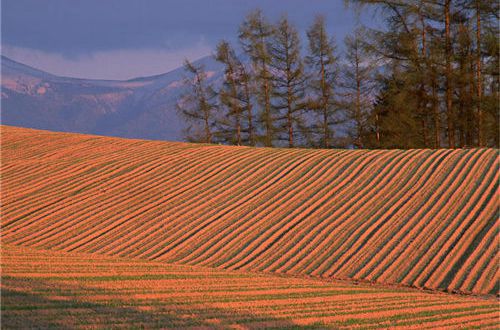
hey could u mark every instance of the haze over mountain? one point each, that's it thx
(136, 108)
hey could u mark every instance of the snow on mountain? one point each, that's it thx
(138, 108)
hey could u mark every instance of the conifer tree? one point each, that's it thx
(198, 105)
(358, 83)
(446, 53)
(322, 62)
(484, 13)
(288, 81)
(435, 67)
(237, 120)
(255, 34)
(464, 87)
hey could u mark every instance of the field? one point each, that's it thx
(424, 219)
(73, 290)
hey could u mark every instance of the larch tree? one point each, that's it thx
(246, 97)
(479, 80)
(236, 121)
(323, 70)
(434, 72)
(464, 86)
(288, 81)
(428, 78)
(255, 34)
(198, 105)
(488, 71)
(358, 84)
(403, 48)
(484, 13)
(445, 55)
(448, 53)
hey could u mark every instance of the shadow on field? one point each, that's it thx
(30, 303)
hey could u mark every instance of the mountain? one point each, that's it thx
(136, 108)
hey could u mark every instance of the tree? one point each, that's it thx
(324, 74)
(464, 81)
(479, 82)
(487, 71)
(403, 48)
(198, 106)
(358, 78)
(235, 98)
(254, 35)
(246, 98)
(450, 73)
(288, 81)
(433, 70)
(392, 123)
(429, 78)
(485, 15)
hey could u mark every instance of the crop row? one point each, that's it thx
(46, 289)
(422, 218)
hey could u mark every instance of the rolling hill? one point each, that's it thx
(419, 218)
(48, 289)
(137, 108)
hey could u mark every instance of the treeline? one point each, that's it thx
(429, 79)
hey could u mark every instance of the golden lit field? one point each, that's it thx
(184, 235)
(74, 290)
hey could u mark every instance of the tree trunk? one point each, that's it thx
(326, 135)
(479, 83)
(471, 118)
(358, 103)
(435, 110)
(422, 103)
(251, 136)
(235, 108)
(208, 134)
(289, 110)
(449, 105)
(289, 105)
(267, 114)
(377, 129)
(238, 132)
(206, 111)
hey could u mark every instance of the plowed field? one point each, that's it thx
(108, 232)
(46, 289)
(422, 218)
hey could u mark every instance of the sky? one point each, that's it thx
(123, 39)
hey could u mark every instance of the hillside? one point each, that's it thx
(137, 108)
(46, 289)
(423, 218)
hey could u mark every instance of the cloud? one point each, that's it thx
(117, 64)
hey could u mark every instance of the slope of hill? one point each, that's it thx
(423, 218)
(136, 108)
(45, 289)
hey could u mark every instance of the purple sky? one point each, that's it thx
(121, 39)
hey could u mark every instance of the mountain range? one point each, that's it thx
(143, 108)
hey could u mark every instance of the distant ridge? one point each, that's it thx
(421, 218)
(142, 107)
(8, 63)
